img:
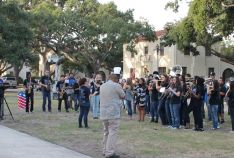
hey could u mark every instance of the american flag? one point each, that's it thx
(21, 100)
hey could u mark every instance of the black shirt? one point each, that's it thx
(198, 90)
(224, 90)
(154, 93)
(214, 97)
(46, 80)
(176, 99)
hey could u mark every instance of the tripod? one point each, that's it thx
(2, 108)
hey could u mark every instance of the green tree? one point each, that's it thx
(97, 32)
(16, 37)
(207, 23)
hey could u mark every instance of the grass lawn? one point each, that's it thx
(136, 139)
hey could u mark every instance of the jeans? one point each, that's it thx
(84, 111)
(208, 110)
(175, 115)
(95, 101)
(168, 112)
(76, 101)
(45, 95)
(154, 109)
(129, 106)
(214, 113)
(147, 103)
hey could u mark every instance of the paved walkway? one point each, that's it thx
(14, 144)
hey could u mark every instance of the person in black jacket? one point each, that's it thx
(214, 103)
(230, 95)
(196, 94)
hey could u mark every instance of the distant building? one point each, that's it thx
(152, 57)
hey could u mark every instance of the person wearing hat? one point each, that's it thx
(29, 86)
(111, 95)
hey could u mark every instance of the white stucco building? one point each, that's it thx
(148, 59)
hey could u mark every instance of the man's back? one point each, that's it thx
(110, 94)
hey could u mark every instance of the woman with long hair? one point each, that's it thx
(84, 102)
(128, 88)
(197, 93)
(162, 111)
(214, 103)
(141, 94)
(184, 115)
(230, 95)
(175, 104)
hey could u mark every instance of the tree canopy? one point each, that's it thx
(208, 22)
(15, 37)
(84, 32)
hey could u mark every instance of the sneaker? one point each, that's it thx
(218, 127)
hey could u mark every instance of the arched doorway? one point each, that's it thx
(227, 73)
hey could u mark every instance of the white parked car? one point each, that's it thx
(11, 81)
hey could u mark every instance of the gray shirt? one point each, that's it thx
(110, 100)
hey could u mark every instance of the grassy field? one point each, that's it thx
(136, 139)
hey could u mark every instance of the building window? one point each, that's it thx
(161, 50)
(146, 50)
(162, 70)
(11, 73)
(184, 70)
(210, 69)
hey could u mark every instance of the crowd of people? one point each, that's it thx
(168, 98)
(173, 98)
(165, 99)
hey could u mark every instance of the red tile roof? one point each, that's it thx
(160, 33)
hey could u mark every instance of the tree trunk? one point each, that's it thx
(16, 72)
(95, 67)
